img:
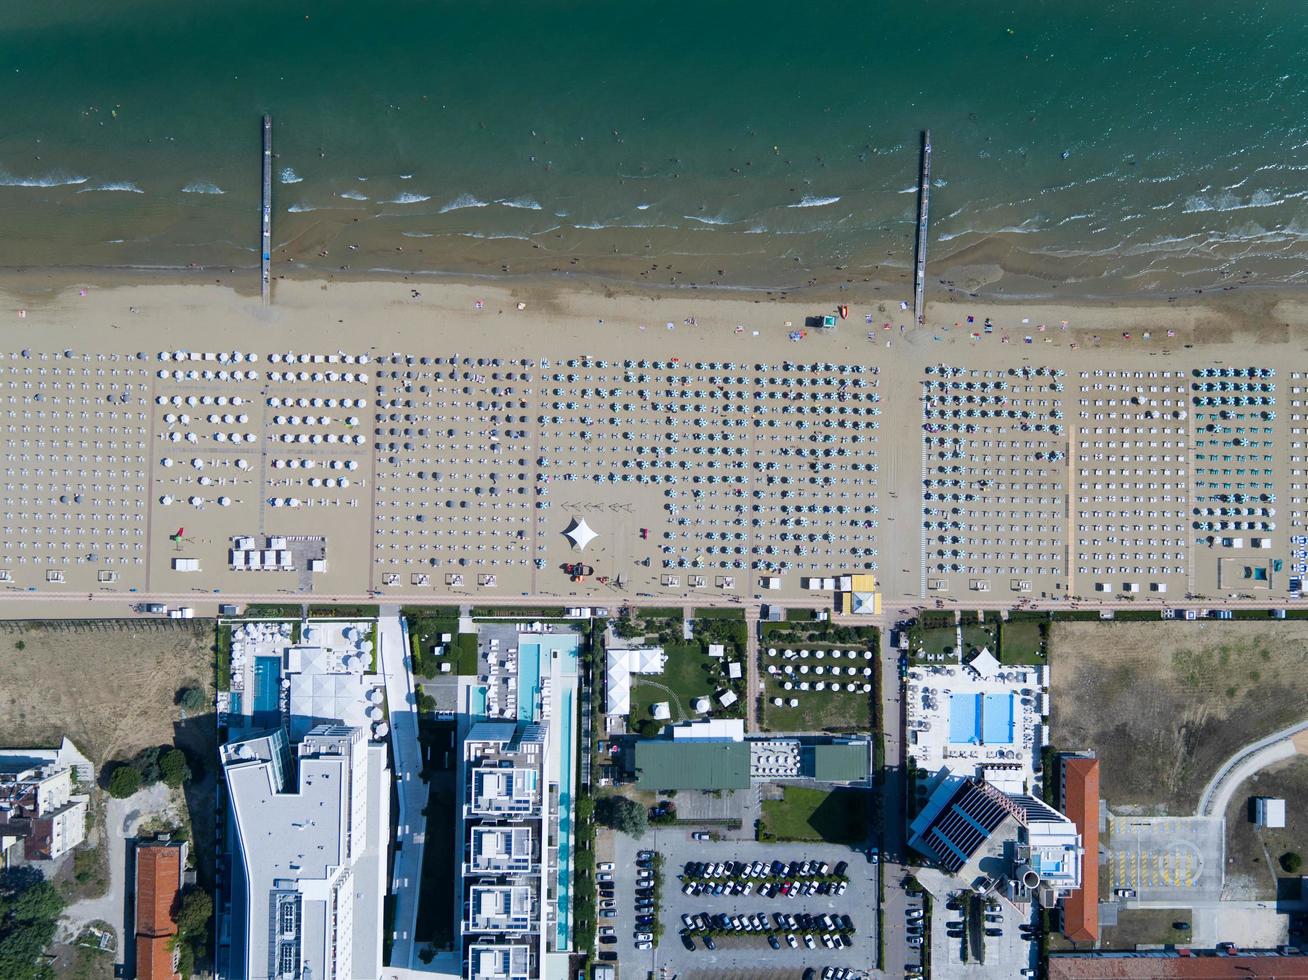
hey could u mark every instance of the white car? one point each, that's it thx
(604, 866)
(791, 941)
(644, 945)
(644, 937)
(604, 876)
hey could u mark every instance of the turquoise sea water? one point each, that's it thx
(1105, 146)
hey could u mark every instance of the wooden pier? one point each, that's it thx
(923, 217)
(265, 242)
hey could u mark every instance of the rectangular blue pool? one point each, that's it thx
(267, 685)
(997, 719)
(563, 920)
(965, 719)
(529, 655)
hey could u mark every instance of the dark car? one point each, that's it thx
(847, 923)
(773, 941)
(1181, 925)
(687, 941)
(709, 943)
(608, 955)
(994, 932)
(841, 867)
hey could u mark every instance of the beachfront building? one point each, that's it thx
(980, 717)
(506, 917)
(1011, 845)
(310, 826)
(518, 725)
(39, 805)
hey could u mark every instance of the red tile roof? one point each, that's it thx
(158, 882)
(154, 958)
(1081, 804)
(1144, 967)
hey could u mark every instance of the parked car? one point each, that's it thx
(604, 866)
(773, 941)
(709, 943)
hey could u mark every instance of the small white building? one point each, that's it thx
(1269, 812)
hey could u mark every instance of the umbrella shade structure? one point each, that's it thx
(579, 533)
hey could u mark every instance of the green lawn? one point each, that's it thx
(838, 817)
(977, 636)
(936, 640)
(723, 612)
(686, 673)
(465, 652)
(427, 624)
(818, 710)
(1021, 643)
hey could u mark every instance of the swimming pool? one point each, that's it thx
(997, 719)
(479, 698)
(965, 719)
(529, 655)
(267, 684)
(563, 920)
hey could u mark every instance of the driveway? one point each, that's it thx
(121, 818)
(748, 956)
(1167, 859)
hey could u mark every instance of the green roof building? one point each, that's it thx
(838, 763)
(690, 764)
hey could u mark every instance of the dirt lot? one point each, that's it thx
(108, 685)
(1164, 704)
(1254, 852)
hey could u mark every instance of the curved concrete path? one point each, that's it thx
(1243, 764)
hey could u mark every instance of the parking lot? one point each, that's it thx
(747, 955)
(1006, 955)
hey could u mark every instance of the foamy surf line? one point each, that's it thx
(50, 180)
(464, 201)
(121, 186)
(202, 187)
(808, 201)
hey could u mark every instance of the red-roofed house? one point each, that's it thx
(1080, 801)
(159, 866)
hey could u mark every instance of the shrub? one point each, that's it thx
(192, 698)
(1291, 862)
(124, 781)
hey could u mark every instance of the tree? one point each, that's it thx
(191, 698)
(194, 915)
(1291, 862)
(124, 781)
(173, 768)
(620, 813)
(146, 763)
(29, 911)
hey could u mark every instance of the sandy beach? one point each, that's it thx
(442, 436)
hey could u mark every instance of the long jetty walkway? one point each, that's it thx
(265, 242)
(923, 216)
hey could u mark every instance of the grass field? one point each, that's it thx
(818, 710)
(1021, 642)
(1165, 703)
(686, 676)
(1146, 927)
(838, 817)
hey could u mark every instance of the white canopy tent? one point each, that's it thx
(580, 534)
